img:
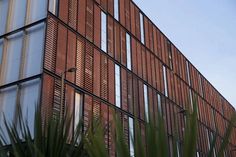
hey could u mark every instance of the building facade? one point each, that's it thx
(124, 64)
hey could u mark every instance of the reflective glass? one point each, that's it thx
(117, 85)
(116, 9)
(3, 15)
(165, 81)
(34, 52)
(146, 102)
(131, 136)
(141, 27)
(128, 51)
(103, 31)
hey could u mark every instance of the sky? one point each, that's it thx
(205, 32)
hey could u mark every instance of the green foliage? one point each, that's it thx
(53, 138)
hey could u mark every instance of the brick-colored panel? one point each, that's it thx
(134, 56)
(122, 11)
(123, 46)
(69, 102)
(61, 49)
(150, 30)
(80, 55)
(110, 8)
(149, 70)
(81, 17)
(130, 93)
(89, 20)
(153, 71)
(105, 122)
(88, 103)
(96, 72)
(132, 18)
(141, 100)
(63, 10)
(110, 37)
(97, 26)
(146, 31)
(111, 81)
(96, 109)
(150, 104)
(127, 14)
(124, 92)
(111, 143)
(104, 77)
(88, 83)
(47, 96)
(71, 56)
(137, 22)
(51, 45)
(104, 4)
(117, 41)
(159, 49)
(136, 96)
(139, 60)
(144, 63)
(72, 19)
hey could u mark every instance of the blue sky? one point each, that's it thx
(205, 32)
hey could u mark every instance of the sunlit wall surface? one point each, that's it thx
(22, 35)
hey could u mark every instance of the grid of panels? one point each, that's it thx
(96, 70)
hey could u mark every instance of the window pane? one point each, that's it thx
(53, 6)
(7, 107)
(38, 10)
(141, 27)
(159, 103)
(165, 81)
(34, 52)
(78, 109)
(18, 14)
(29, 97)
(11, 65)
(117, 82)
(146, 102)
(116, 9)
(103, 31)
(131, 137)
(188, 74)
(3, 15)
(128, 51)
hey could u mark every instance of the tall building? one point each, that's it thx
(123, 62)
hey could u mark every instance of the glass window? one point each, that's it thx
(131, 136)
(178, 148)
(29, 97)
(78, 109)
(38, 10)
(103, 31)
(128, 49)
(7, 107)
(159, 103)
(170, 54)
(53, 6)
(17, 15)
(3, 12)
(191, 98)
(165, 81)
(117, 87)
(188, 74)
(146, 102)
(116, 9)
(34, 52)
(12, 59)
(141, 27)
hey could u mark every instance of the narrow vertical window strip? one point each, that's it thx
(165, 81)
(200, 84)
(117, 85)
(103, 31)
(116, 9)
(191, 98)
(188, 73)
(159, 103)
(77, 110)
(141, 28)
(128, 49)
(131, 136)
(146, 102)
